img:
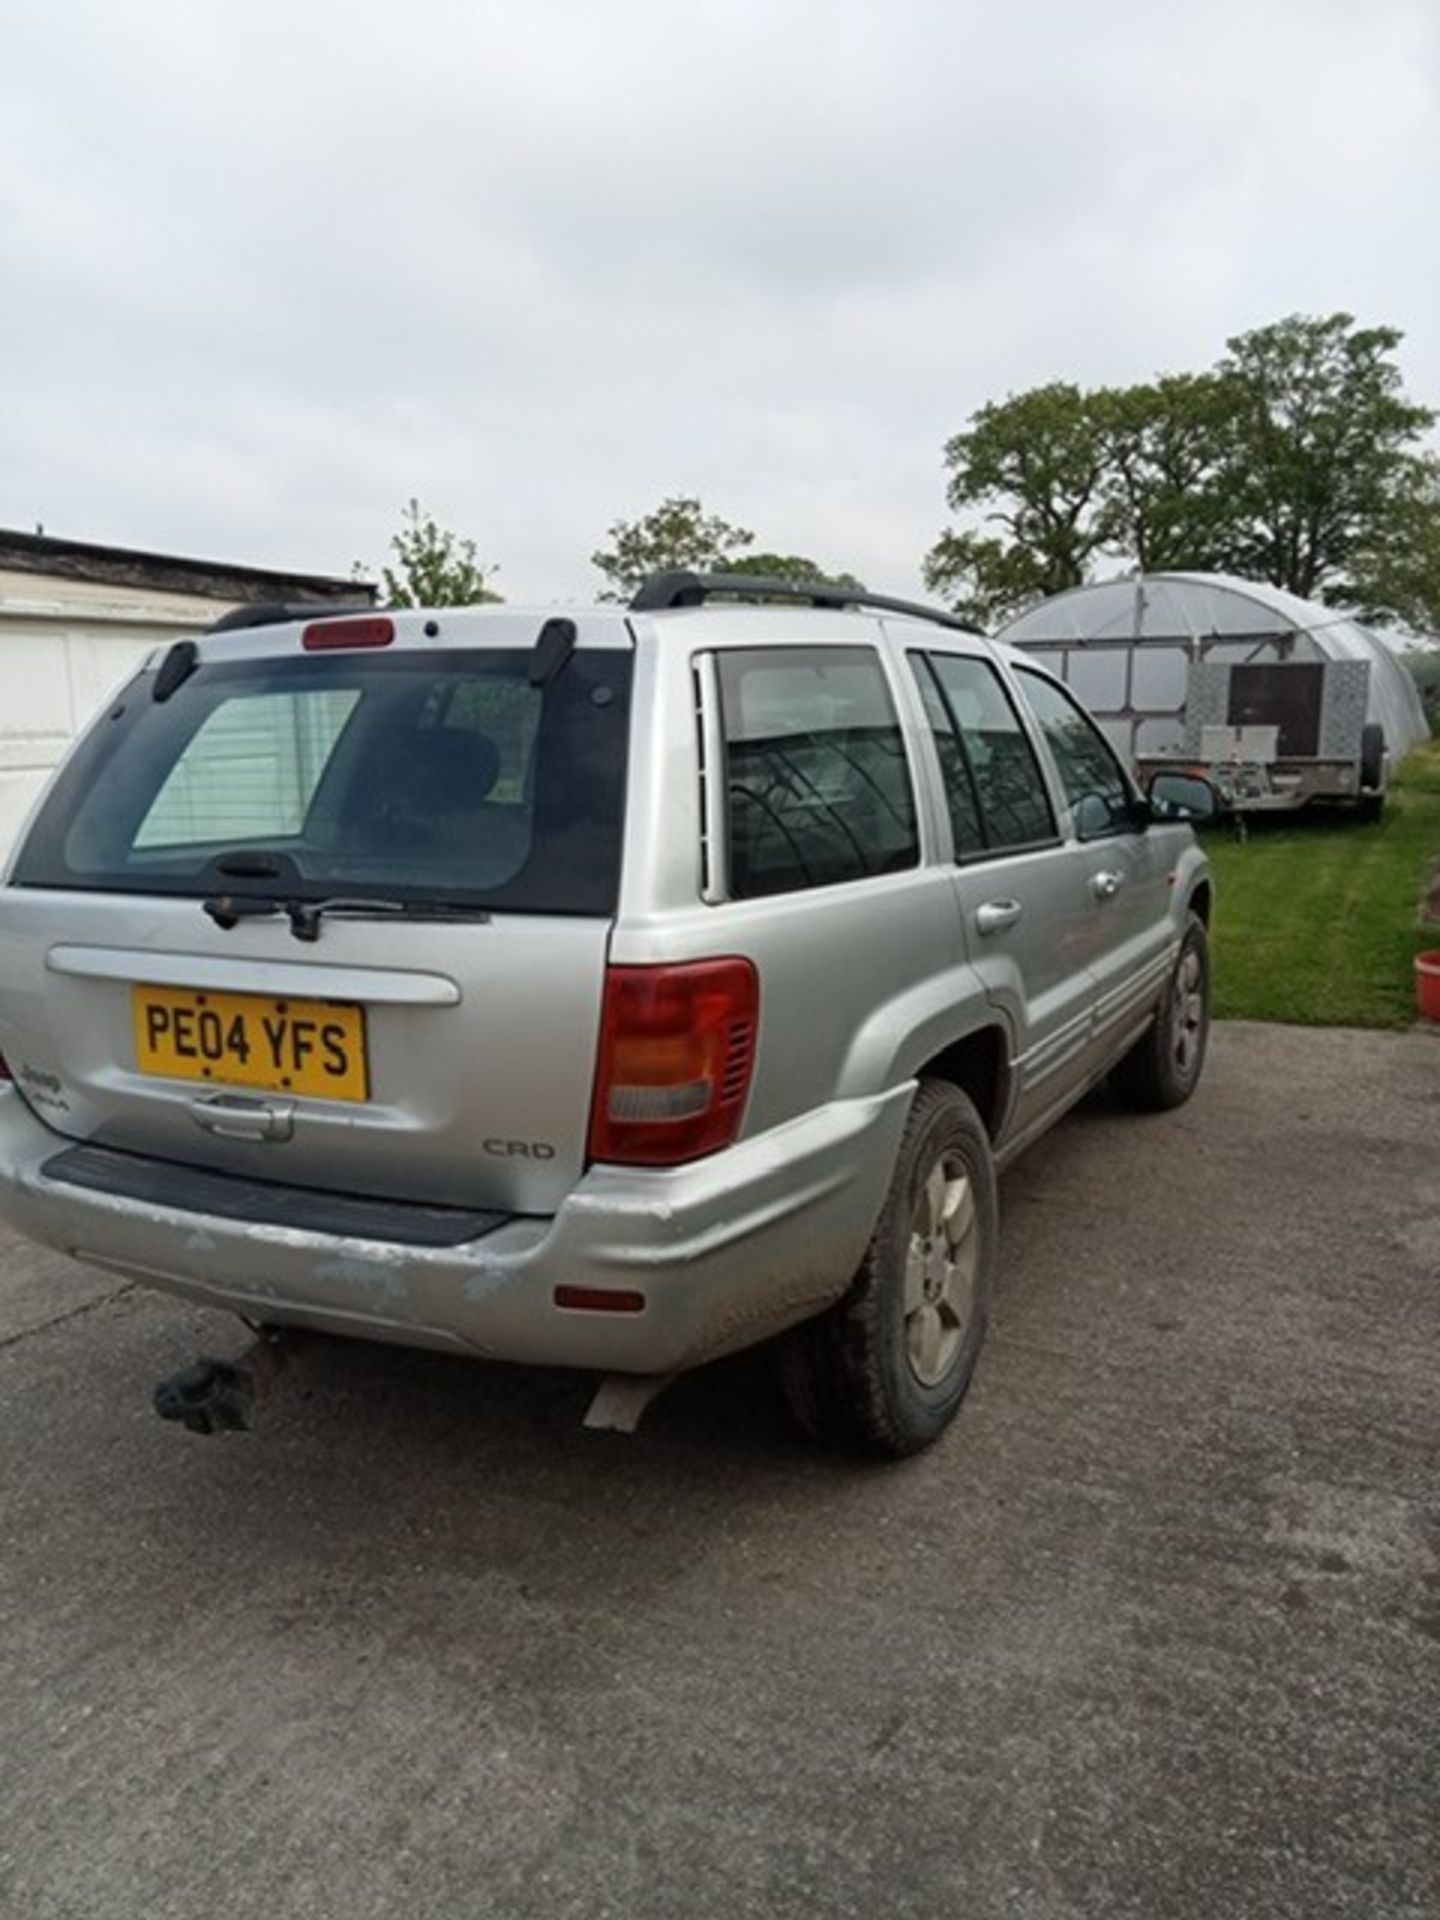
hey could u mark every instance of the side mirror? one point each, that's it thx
(1182, 796)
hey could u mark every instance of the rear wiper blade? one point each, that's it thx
(227, 910)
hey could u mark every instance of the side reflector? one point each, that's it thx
(677, 1051)
(369, 630)
(599, 1299)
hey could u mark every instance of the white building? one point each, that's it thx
(76, 618)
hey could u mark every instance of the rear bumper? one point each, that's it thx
(724, 1252)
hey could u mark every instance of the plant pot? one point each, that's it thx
(1427, 985)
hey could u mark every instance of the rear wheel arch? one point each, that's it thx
(979, 1064)
(884, 1370)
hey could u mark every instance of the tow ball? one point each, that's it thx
(219, 1396)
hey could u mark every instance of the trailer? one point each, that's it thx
(1281, 703)
(1273, 736)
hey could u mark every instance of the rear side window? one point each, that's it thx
(961, 794)
(1000, 803)
(436, 776)
(818, 784)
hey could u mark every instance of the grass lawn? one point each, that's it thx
(1316, 921)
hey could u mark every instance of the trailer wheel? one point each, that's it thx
(1372, 757)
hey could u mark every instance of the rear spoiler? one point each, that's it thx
(274, 614)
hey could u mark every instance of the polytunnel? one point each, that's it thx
(1125, 646)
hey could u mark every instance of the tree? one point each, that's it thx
(1168, 447)
(1035, 466)
(1394, 574)
(984, 580)
(1424, 665)
(678, 534)
(1324, 449)
(1295, 460)
(434, 568)
(789, 566)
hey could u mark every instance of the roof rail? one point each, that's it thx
(679, 588)
(274, 614)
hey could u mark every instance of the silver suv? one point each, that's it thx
(610, 989)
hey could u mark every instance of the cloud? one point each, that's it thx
(269, 270)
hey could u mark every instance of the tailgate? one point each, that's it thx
(477, 1047)
(425, 1026)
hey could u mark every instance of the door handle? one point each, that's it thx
(1105, 886)
(234, 1117)
(995, 914)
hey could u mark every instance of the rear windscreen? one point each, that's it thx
(435, 777)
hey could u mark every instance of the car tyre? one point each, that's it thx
(885, 1369)
(1163, 1068)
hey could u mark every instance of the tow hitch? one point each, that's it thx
(219, 1396)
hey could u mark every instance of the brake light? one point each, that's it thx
(370, 630)
(677, 1051)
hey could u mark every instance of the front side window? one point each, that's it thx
(1095, 785)
(817, 782)
(1009, 788)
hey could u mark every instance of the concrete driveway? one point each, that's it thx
(1155, 1632)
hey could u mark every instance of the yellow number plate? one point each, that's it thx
(248, 1040)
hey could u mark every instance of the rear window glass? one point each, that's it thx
(250, 771)
(818, 782)
(436, 776)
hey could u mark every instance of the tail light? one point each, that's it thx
(677, 1050)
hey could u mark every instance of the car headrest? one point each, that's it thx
(444, 771)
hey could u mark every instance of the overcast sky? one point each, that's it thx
(268, 269)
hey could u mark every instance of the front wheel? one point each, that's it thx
(1163, 1068)
(886, 1368)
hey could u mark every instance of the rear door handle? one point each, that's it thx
(995, 914)
(1105, 886)
(234, 1117)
